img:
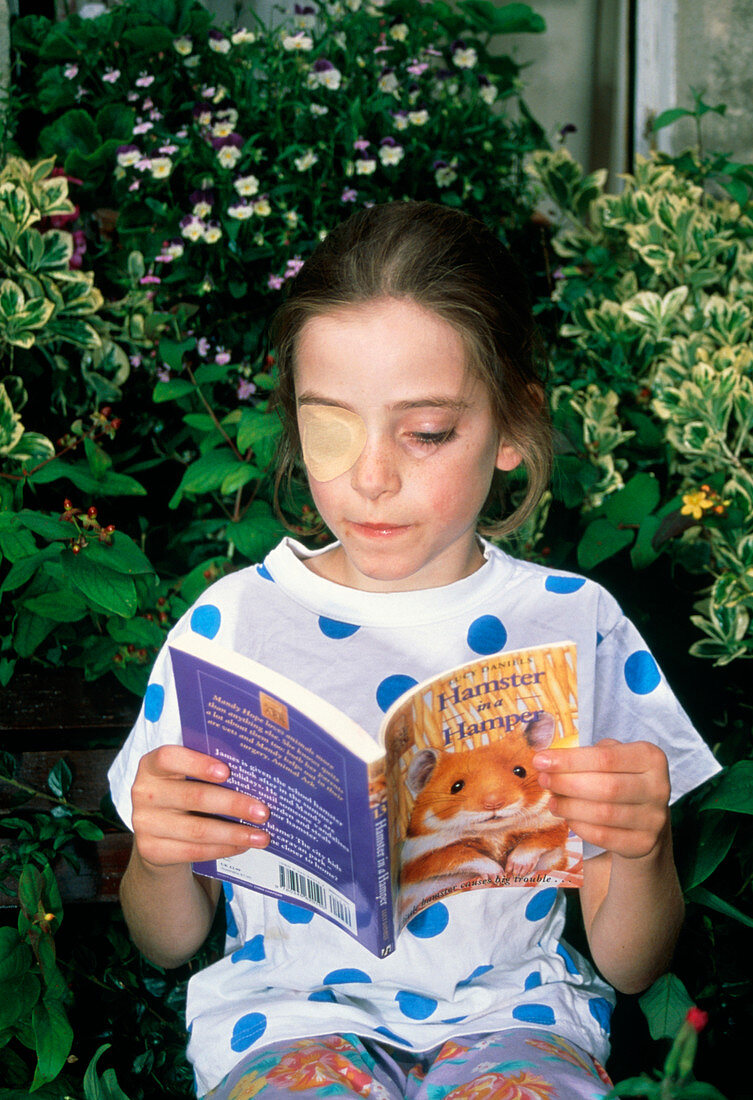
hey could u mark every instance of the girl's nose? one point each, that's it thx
(375, 471)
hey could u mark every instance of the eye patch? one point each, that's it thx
(332, 440)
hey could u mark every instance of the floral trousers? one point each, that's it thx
(521, 1064)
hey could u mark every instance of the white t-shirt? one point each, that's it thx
(475, 962)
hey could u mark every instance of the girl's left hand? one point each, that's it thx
(612, 794)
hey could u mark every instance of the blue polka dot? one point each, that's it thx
(541, 903)
(533, 981)
(564, 585)
(247, 1030)
(455, 1020)
(534, 1014)
(264, 572)
(206, 620)
(642, 674)
(486, 634)
(414, 1006)
(341, 977)
(429, 922)
(154, 701)
(476, 974)
(391, 1035)
(601, 1010)
(392, 688)
(323, 995)
(599, 638)
(230, 926)
(253, 950)
(294, 914)
(333, 628)
(569, 963)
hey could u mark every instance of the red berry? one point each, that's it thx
(92, 512)
(105, 411)
(109, 529)
(115, 424)
(76, 549)
(67, 505)
(697, 1018)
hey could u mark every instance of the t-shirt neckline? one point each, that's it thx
(286, 564)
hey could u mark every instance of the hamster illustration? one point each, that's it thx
(480, 813)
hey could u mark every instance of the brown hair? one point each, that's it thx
(447, 262)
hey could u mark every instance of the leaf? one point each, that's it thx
(111, 485)
(17, 999)
(704, 897)
(62, 606)
(110, 590)
(122, 556)
(15, 955)
(29, 632)
(714, 840)
(733, 791)
(257, 532)
(73, 130)
(172, 352)
(635, 501)
(60, 778)
(665, 1005)
(207, 473)
(666, 118)
(601, 540)
(104, 1088)
(54, 1039)
(170, 391)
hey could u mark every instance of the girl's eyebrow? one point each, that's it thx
(431, 401)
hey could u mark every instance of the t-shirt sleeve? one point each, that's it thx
(158, 724)
(632, 701)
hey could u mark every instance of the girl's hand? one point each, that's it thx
(178, 820)
(613, 795)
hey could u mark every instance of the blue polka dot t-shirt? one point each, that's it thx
(475, 962)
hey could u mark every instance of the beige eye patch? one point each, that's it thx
(332, 440)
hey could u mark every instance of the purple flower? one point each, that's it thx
(232, 139)
(245, 389)
(349, 195)
(134, 360)
(274, 282)
(204, 197)
(321, 65)
(458, 44)
(150, 279)
(203, 347)
(416, 68)
(293, 267)
(388, 141)
(361, 144)
(163, 374)
(222, 357)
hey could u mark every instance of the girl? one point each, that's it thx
(407, 375)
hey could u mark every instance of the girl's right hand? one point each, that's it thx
(178, 820)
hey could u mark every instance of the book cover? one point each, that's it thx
(466, 807)
(328, 846)
(368, 831)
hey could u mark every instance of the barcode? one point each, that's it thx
(296, 883)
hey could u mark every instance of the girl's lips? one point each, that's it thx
(378, 529)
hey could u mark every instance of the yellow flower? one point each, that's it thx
(695, 504)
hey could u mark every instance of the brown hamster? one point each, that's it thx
(479, 813)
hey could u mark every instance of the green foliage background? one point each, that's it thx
(147, 230)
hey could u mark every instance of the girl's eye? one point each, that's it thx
(432, 439)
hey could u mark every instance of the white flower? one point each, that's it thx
(399, 32)
(401, 120)
(211, 234)
(241, 211)
(192, 62)
(70, 71)
(161, 167)
(261, 206)
(128, 156)
(228, 156)
(192, 228)
(488, 93)
(228, 114)
(183, 45)
(290, 217)
(201, 209)
(242, 35)
(219, 45)
(110, 75)
(465, 59)
(222, 129)
(330, 78)
(308, 160)
(318, 109)
(298, 41)
(204, 118)
(144, 80)
(387, 82)
(354, 5)
(391, 154)
(418, 118)
(445, 176)
(143, 127)
(246, 185)
(365, 166)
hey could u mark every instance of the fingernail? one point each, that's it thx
(219, 771)
(541, 760)
(258, 813)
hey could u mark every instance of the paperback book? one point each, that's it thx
(369, 830)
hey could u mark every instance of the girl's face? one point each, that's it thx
(405, 510)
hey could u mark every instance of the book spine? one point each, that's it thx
(384, 900)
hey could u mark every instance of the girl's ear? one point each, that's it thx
(507, 457)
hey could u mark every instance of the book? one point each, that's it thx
(369, 830)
